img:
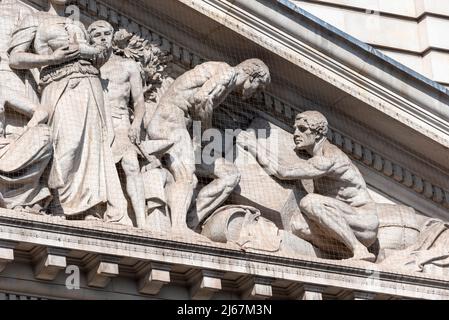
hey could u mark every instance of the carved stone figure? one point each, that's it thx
(13, 85)
(429, 253)
(122, 82)
(340, 209)
(24, 151)
(244, 226)
(193, 97)
(82, 176)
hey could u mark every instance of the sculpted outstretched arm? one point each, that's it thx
(27, 60)
(22, 60)
(302, 169)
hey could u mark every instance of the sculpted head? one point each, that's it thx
(101, 33)
(254, 76)
(310, 128)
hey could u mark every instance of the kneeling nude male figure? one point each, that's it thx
(340, 209)
(192, 97)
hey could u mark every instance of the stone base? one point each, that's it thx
(138, 256)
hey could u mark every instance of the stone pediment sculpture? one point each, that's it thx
(427, 254)
(340, 208)
(132, 71)
(79, 125)
(99, 124)
(193, 97)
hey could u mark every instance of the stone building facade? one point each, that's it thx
(409, 31)
(330, 180)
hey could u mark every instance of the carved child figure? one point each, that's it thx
(193, 97)
(340, 209)
(122, 82)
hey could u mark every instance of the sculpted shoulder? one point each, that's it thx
(211, 67)
(16, 7)
(24, 9)
(334, 153)
(131, 65)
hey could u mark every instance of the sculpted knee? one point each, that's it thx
(130, 164)
(309, 204)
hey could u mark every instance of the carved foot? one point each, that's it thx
(363, 255)
(92, 217)
(36, 209)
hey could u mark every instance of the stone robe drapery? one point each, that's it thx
(82, 174)
(22, 163)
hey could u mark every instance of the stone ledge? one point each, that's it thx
(124, 242)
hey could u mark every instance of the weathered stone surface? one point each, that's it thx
(152, 280)
(186, 216)
(102, 270)
(205, 284)
(258, 288)
(49, 262)
(368, 20)
(6, 253)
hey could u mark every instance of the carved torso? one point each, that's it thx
(115, 77)
(182, 91)
(55, 32)
(344, 180)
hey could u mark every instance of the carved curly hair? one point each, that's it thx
(256, 68)
(315, 120)
(99, 24)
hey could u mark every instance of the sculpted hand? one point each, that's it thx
(66, 53)
(202, 104)
(134, 135)
(39, 117)
(154, 163)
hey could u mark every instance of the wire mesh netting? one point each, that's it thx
(154, 116)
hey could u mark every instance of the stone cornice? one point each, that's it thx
(121, 242)
(418, 104)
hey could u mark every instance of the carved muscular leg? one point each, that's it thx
(135, 186)
(226, 177)
(181, 164)
(334, 218)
